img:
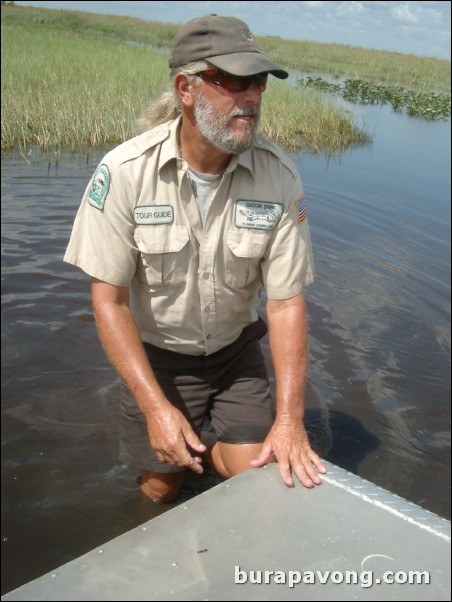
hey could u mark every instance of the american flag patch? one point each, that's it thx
(301, 208)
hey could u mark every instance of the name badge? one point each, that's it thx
(257, 215)
(153, 215)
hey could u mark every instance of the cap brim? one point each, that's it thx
(247, 63)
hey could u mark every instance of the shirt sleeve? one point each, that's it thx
(288, 266)
(102, 241)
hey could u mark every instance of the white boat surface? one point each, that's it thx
(253, 538)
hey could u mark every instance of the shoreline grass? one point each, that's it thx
(75, 80)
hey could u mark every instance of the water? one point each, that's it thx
(379, 342)
(380, 310)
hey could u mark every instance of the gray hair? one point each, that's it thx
(166, 106)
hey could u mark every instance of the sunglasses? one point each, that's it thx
(233, 83)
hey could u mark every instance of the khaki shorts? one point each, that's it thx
(229, 388)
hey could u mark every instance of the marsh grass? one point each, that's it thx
(335, 59)
(339, 60)
(75, 80)
(62, 90)
(307, 121)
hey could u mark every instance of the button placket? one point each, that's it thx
(207, 280)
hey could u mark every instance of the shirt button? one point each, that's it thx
(209, 336)
(206, 276)
(207, 308)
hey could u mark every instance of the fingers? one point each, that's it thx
(306, 474)
(180, 456)
(285, 472)
(318, 463)
(263, 457)
(305, 463)
(193, 441)
(195, 464)
(174, 440)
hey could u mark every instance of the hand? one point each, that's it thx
(289, 443)
(173, 439)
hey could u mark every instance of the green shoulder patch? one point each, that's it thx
(100, 187)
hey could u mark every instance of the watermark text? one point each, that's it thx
(363, 578)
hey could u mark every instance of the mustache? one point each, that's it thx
(249, 111)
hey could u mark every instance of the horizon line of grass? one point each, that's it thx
(75, 92)
(329, 58)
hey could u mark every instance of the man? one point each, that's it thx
(180, 229)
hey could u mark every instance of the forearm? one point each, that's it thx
(288, 440)
(288, 335)
(170, 434)
(122, 343)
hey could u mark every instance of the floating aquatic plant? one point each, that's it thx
(429, 105)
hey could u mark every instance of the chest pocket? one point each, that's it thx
(244, 253)
(164, 255)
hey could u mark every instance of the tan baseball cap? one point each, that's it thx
(226, 43)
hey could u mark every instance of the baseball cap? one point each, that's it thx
(226, 43)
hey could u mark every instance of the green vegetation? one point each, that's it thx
(61, 90)
(430, 105)
(307, 121)
(334, 59)
(338, 60)
(75, 80)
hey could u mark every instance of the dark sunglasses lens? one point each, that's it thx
(239, 84)
(234, 83)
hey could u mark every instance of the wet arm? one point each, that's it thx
(288, 439)
(169, 432)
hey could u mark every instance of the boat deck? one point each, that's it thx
(252, 538)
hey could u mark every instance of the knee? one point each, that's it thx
(161, 487)
(229, 460)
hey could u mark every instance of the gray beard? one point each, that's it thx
(213, 126)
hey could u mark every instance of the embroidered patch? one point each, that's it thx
(257, 215)
(99, 188)
(302, 211)
(153, 215)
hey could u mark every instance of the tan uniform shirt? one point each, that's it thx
(193, 288)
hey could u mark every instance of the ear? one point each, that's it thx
(183, 89)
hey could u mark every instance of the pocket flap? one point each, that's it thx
(161, 239)
(248, 243)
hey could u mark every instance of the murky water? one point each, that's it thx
(379, 341)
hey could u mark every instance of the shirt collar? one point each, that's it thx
(170, 146)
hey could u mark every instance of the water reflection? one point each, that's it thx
(380, 309)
